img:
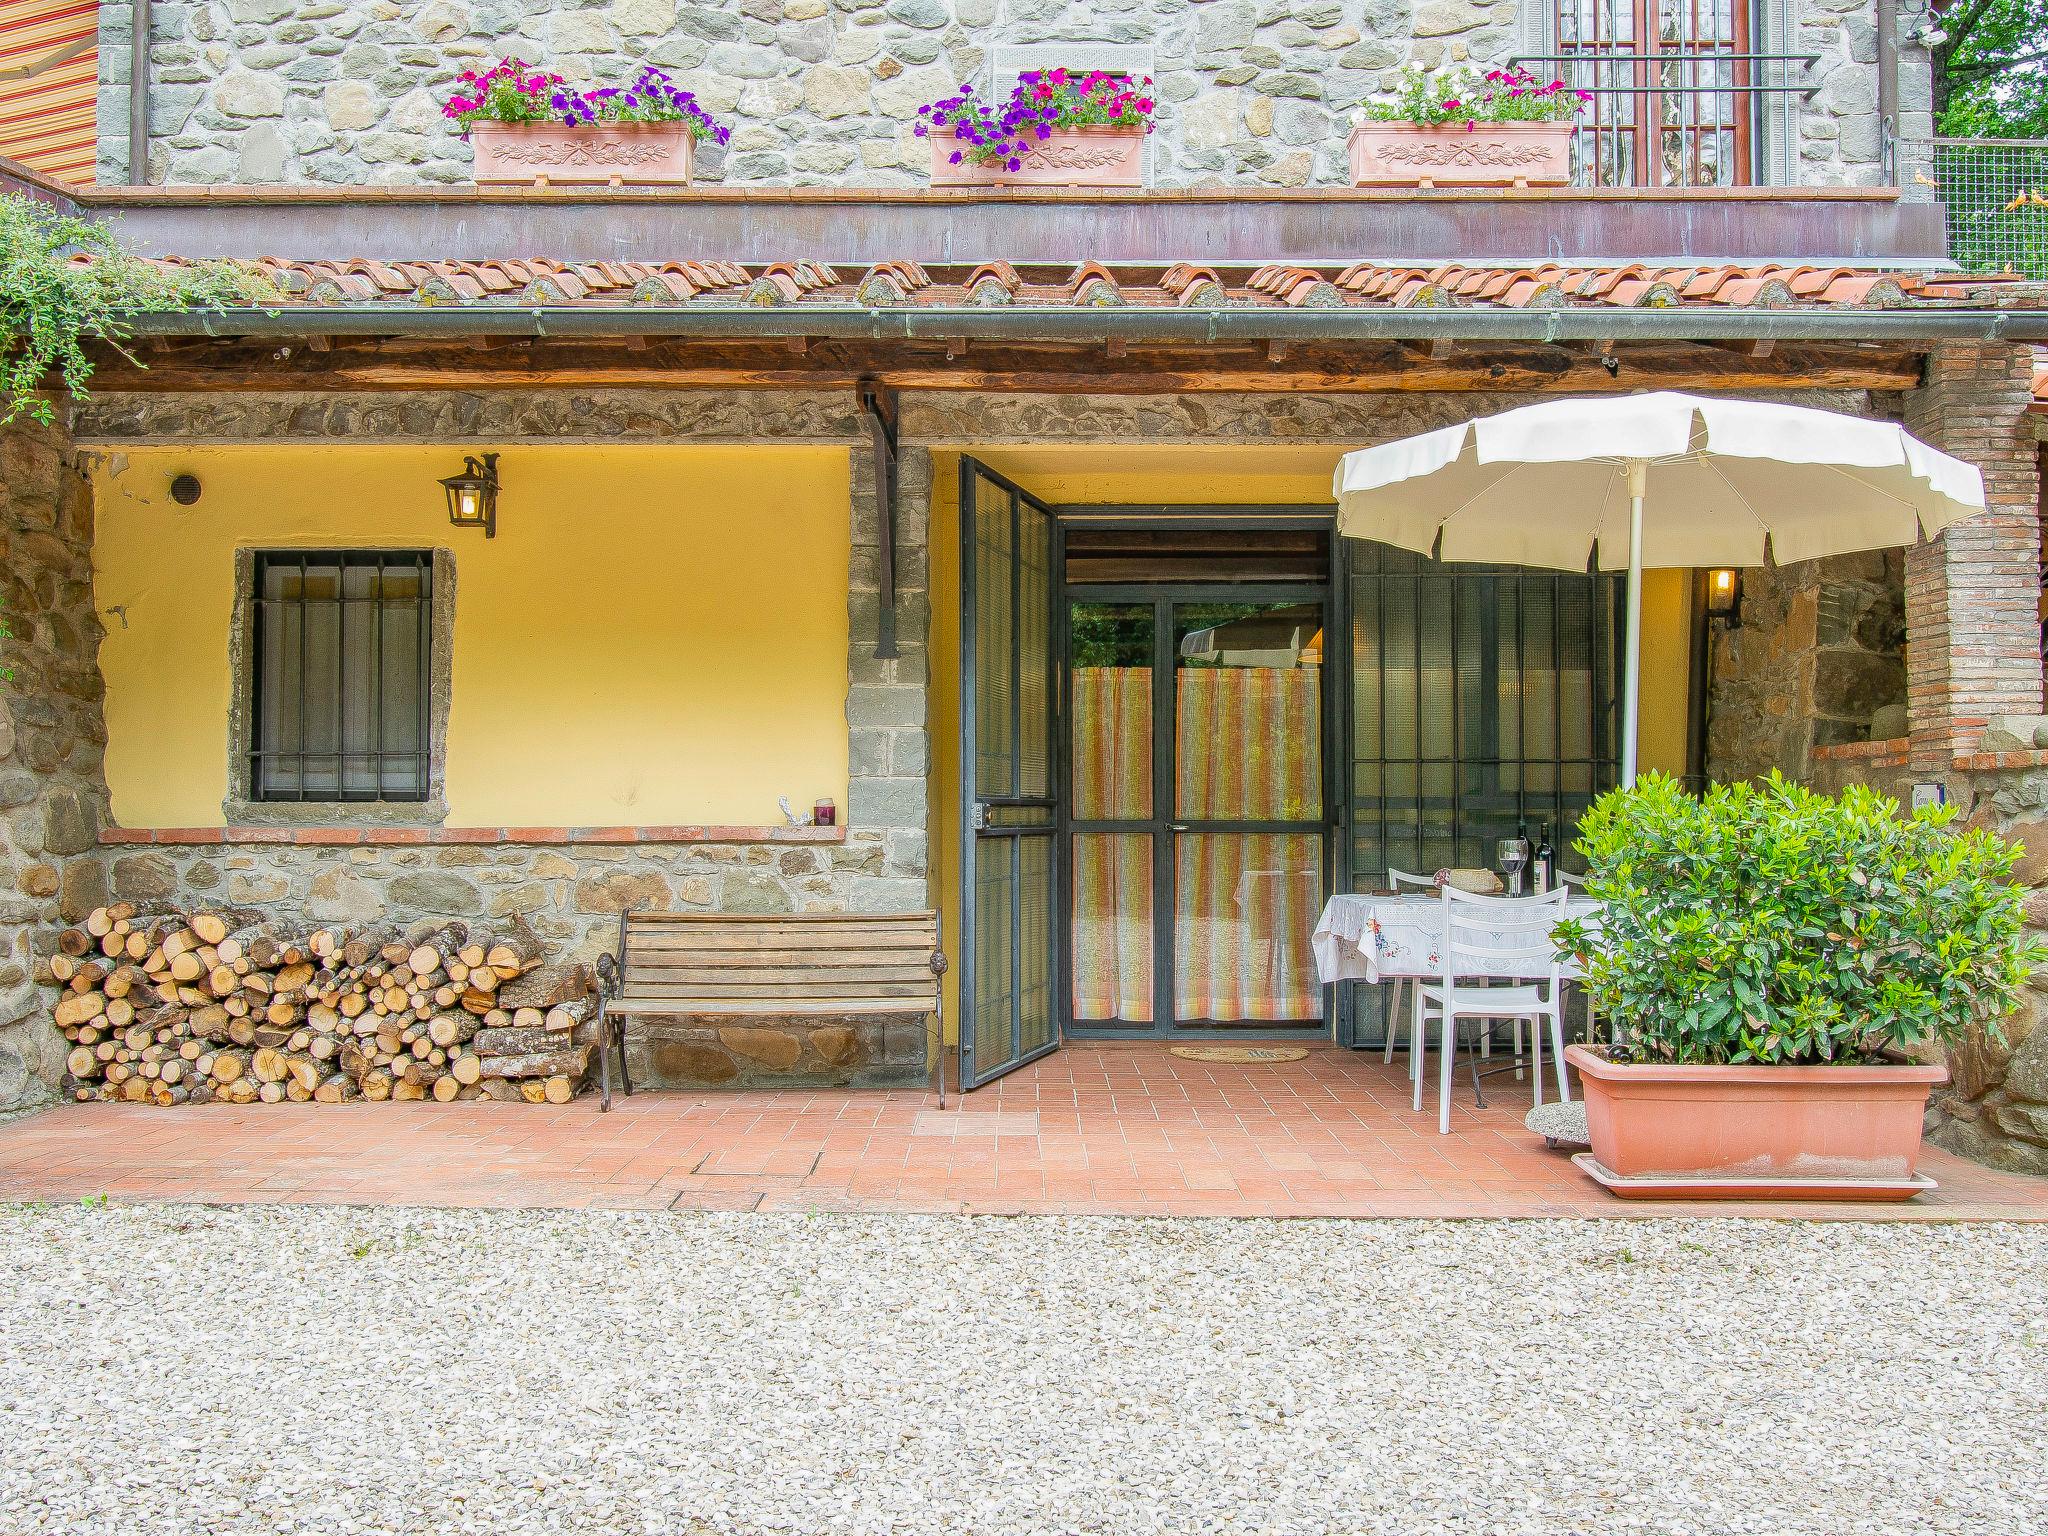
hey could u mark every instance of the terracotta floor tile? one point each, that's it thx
(1108, 1129)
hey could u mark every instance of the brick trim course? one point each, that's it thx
(386, 837)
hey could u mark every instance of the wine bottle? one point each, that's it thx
(1545, 861)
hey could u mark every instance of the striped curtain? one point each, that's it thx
(1249, 747)
(1112, 743)
(1250, 743)
(1112, 964)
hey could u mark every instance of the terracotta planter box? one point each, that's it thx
(1484, 155)
(1754, 1133)
(1072, 157)
(594, 154)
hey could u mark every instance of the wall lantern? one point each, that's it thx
(473, 495)
(1724, 596)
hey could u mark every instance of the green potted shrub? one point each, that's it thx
(1465, 129)
(1779, 969)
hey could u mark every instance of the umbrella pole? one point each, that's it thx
(1632, 661)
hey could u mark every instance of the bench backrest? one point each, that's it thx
(855, 962)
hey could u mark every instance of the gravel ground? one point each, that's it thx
(173, 1369)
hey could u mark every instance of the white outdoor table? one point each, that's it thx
(1379, 938)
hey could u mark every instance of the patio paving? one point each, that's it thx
(1097, 1129)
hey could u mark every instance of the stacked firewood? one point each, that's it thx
(185, 1007)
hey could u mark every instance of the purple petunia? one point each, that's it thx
(1040, 102)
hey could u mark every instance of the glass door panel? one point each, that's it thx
(1244, 906)
(1248, 764)
(1197, 801)
(1110, 650)
(1113, 933)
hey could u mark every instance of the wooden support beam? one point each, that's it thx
(1038, 367)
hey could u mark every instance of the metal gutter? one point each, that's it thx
(849, 323)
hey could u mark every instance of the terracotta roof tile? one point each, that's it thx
(1094, 284)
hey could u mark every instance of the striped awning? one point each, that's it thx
(49, 63)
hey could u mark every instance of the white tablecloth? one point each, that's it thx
(1375, 938)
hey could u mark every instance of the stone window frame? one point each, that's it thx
(1777, 113)
(241, 808)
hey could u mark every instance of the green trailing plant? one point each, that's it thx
(65, 282)
(1766, 923)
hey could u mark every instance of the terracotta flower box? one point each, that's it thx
(1754, 1133)
(1072, 157)
(590, 154)
(1453, 155)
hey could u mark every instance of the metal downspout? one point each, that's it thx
(879, 405)
(138, 93)
(1888, 87)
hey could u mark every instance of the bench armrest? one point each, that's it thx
(607, 977)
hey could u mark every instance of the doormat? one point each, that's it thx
(1240, 1052)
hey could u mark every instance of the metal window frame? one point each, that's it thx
(258, 791)
(1336, 684)
(1488, 608)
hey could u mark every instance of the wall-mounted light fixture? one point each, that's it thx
(1724, 596)
(473, 494)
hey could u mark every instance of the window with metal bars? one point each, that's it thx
(1675, 87)
(1482, 702)
(340, 675)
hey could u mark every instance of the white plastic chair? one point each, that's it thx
(1494, 938)
(1575, 885)
(1402, 881)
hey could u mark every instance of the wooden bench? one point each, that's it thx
(781, 965)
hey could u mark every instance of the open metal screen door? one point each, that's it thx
(1008, 979)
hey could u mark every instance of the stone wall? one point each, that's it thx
(1819, 655)
(1995, 1106)
(52, 738)
(824, 92)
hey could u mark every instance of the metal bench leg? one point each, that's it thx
(625, 1072)
(604, 1061)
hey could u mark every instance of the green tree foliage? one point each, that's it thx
(1990, 68)
(65, 282)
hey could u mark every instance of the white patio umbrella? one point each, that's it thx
(1653, 480)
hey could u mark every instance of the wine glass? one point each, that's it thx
(1514, 858)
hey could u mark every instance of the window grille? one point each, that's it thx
(341, 675)
(1675, 85)
(1483, 701)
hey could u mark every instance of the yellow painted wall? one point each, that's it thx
(656, 635)
(1667, 671)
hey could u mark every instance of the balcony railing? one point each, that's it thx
(1994, 197)
(1673, 114)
